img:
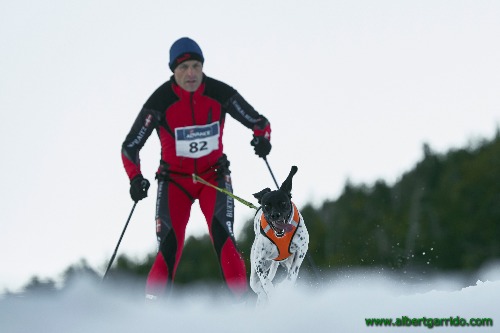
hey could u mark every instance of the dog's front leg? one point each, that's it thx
(260, 282)
(256, 286)
(294, 265)
(261, 271)
(267, 278)
(265, 269)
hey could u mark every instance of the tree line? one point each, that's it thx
(442, 215)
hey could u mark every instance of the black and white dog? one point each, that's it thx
(281, 237)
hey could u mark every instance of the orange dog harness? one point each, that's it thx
(282, 243)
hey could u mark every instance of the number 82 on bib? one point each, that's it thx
(197, 141)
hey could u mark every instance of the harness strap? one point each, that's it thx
(179, 186)
(282, 243)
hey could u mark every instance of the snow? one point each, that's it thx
(340, 304)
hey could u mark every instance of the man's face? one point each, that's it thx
(189, 74)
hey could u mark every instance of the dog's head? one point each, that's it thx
(277, 205)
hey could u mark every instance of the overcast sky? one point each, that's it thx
(352, 89)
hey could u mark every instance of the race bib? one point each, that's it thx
(197, 141)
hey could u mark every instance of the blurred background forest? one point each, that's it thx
(441, 216)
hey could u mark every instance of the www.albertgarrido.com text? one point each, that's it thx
(429, 322)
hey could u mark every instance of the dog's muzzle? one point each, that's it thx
(279, 223)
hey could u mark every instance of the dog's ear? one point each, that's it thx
(287, 184)
(260, 194)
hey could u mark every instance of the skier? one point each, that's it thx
(188, 113)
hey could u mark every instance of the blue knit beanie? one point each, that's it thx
(184, 49)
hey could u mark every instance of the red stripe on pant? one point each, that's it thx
(233, 269)
(157, 277)
(174, 210)
(232, 265)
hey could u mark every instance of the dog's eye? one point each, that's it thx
(283, 204)
(267, 207)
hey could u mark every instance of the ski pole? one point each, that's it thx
(197, 178)
(271, 172)
(308, 257)
(119, 241)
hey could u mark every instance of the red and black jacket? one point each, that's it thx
(170, 107)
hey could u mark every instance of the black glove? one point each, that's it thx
(139, 188)
(222, 167)
(261, 145)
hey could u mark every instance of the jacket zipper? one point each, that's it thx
(191, 100)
